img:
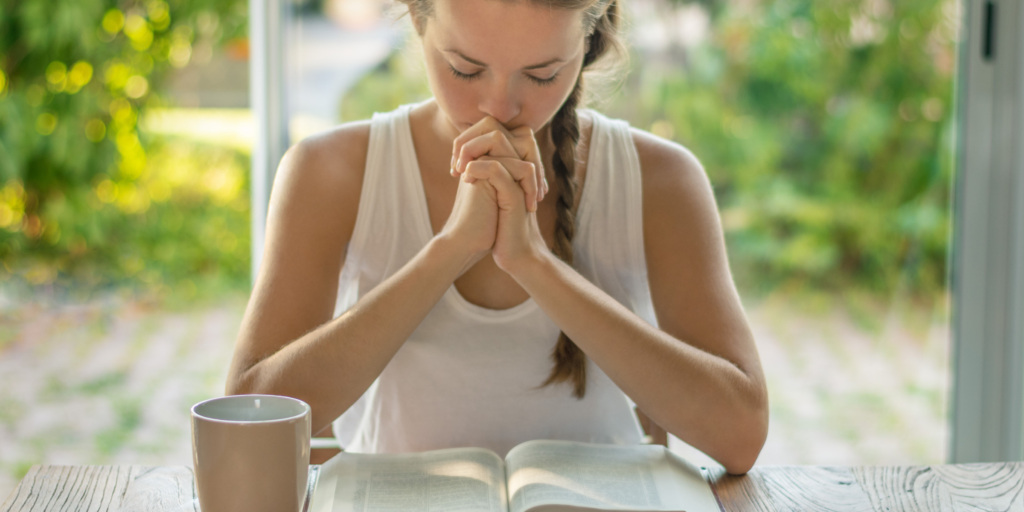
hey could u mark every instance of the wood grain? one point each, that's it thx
(994, 486)
(165, 488)
(953, 487)
(78, 488)
(944, 488)
(112, 488)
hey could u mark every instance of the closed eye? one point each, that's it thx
(543, 81)
(469, 77)
(463, 76)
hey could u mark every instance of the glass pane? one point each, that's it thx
(331, 45)
(826, 130)
(124, 226)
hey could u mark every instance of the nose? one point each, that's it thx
(500, 103)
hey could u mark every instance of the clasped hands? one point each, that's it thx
(501, 182)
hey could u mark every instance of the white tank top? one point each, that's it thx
(468, 375)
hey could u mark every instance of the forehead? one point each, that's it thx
(500, 32)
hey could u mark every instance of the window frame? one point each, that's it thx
(987, 270)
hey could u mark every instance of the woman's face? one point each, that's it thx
(515, 61)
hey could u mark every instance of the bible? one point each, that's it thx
(536, 476)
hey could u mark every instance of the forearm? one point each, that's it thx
(331, 366)
(699, 397)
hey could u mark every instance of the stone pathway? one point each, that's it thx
(112, 382)
(107, 383)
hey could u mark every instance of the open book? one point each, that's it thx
(536, 476)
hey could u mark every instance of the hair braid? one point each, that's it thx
(570, 361)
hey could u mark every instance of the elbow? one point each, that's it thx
(742, 461)
(750, 438)
(744, 454)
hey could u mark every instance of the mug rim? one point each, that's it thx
(306, 410)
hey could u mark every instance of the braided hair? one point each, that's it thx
(570, 361)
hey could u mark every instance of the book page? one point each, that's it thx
(453, 480)
(582, 476)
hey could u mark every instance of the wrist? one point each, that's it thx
(531, 267)
(454, 252)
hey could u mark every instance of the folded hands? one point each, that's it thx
(501, 182)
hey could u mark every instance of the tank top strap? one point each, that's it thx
(609, 242)
(390, 225)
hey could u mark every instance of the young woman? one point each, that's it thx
(511, 268)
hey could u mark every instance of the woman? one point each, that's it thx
(560, 266)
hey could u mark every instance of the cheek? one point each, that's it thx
(457, 98)
(548, 100)
(543, 102)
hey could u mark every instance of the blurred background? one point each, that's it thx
(125, 138)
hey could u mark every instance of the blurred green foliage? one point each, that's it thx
(85, 194)
(826, 130)
(398, 80)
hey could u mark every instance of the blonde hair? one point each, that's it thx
(601, 23)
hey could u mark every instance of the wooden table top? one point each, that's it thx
(988, 486)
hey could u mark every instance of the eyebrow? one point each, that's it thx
(481, 64)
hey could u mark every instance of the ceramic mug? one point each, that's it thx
(251, 453)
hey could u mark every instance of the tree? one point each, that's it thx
(76, 76)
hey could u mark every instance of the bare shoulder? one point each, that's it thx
(315, 198)
(669, 170)
(679, 207)
(326, 164)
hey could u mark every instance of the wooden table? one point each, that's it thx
(995, 486)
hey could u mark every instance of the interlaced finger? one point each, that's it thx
(497, 175)
(495, 144)
(486, 125)
(489, 137)
(523, 173)
(525, 143)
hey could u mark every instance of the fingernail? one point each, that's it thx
(458, 164)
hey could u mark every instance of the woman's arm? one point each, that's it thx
(288, 343)
(699, 376)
